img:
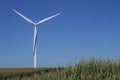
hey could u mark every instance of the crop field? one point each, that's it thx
(24, 73)
(92, 69)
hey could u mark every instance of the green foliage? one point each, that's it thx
(93, 69)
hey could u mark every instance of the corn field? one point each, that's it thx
(92, 69)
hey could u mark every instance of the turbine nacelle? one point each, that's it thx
(35, 24)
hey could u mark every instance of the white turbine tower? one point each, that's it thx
(35, 31)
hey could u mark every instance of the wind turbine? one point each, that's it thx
(35, 31)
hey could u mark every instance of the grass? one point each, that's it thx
(93, 69)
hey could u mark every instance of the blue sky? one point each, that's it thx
(85, 28)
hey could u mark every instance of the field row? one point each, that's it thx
(92, 69)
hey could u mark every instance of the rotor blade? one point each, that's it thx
(35, 39)
(48, 18)
(30, 21)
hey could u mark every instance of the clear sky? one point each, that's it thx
(85, 28)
